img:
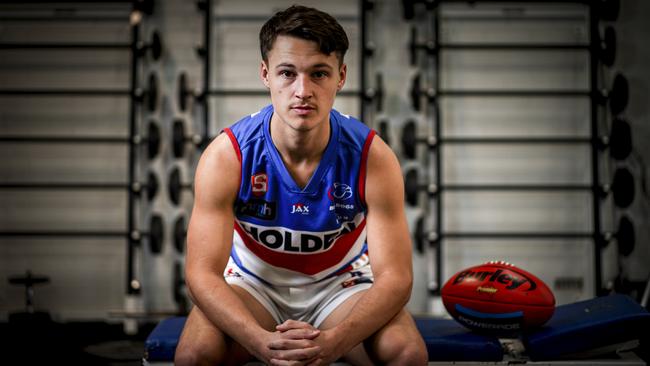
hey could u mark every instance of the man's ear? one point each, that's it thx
(343, 71)
(264, 73)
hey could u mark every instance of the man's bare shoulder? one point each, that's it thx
(218, 171)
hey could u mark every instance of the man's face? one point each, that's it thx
(303, 82)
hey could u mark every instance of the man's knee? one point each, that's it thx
(412, 354)
(401, 349)
(193, 356)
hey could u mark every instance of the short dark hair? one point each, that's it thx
(305, 23)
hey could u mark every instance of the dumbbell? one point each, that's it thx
(619, 140)
(180, 233)
(625, 236)
(179, 138)
(607, 50)
(150, 186)
(410, 139)
(617, 96)
(622, 187)
(417, 91)
(178, 286)
(383, 130)
(420, 237)
(428, 46)
(412, 187)
(156, 234)
(408, 6)
(175, 186)
(154, 46)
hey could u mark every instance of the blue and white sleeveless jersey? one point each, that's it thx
(291, 236)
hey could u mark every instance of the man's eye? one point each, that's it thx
(286, 73)
(320, 74)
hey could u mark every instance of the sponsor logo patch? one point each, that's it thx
(259, 184)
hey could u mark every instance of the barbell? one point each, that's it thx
(622, 187)
(179, 138)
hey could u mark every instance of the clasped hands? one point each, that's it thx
(299, 343)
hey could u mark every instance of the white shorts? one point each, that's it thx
(311, 303)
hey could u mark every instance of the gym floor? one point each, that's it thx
(83, 343)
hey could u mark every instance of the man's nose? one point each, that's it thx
(303, 87)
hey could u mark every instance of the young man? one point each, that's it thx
(315, 197)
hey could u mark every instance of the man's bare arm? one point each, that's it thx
(209, 241)
(389, 248)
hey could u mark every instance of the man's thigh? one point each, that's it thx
(399, 332)
(202, 340)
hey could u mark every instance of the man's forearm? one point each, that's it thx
(221, 305)
(376, 307)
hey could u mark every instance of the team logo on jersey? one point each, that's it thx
(257, 208)
(300, 208)
(339, 191)
(259, 184)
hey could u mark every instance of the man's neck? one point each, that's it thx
(299, 147)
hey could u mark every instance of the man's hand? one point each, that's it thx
(328, 348)
(293, 346)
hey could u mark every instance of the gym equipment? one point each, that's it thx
(175, 186)
(180, 232)
(617, 97)
(608, 9)
(498, 298)
(620, 139)
(178, 283)
(372, 94)
(150, 186)
(623, 187)
(29, 280)
(605, 50)
(428, 46)
(152, 139)
(383, 130)
(179, 139)
(150, 94)
(625, 236)
(594, 328)
(410, 141)
(155, 233)
(154, 47)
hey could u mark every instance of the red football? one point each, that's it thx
(497, 296)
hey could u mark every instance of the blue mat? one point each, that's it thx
(161, 343)
(586, 325)
(447, 340)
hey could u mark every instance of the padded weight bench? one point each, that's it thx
(599, 331)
